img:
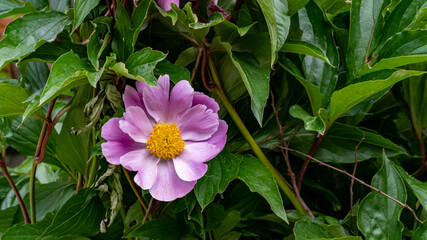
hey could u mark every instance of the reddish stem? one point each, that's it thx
(13, 186)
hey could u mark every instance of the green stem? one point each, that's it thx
(32, 192)
(246, 134)
(95, 163)
(136, 191)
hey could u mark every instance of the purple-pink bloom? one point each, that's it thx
(166, 4)
(166, 138)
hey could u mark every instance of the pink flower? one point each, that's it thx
(166, 138)
(166, 4)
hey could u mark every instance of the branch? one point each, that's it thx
(285, 154)
(359, 181)
(352, 180)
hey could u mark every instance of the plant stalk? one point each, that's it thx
(141, 201)
(246, 134)
(12, 184)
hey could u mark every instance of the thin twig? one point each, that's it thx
(359, 181)
(286, 155)
(148, 210)
(210, 86)
(137, 193)
(352, 180)
(196, 66)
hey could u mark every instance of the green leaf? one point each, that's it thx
(221, 171)
(256, 79)
(334, 7)
(175, 72)
(7, 217)
(24, 35)
(316, 30)
(12, 100)
(122, 37)
(187, 56)
(67, 72)
(47, 199)
(35, 74)
(26, 231)
(366, 21)
(348, 97)
(80, 215)
(81, 10)
(59, 5)
(259, 179)
(340, 141)
(305, 230)
(420, 20)
(400, 18)
(421, 232)
(230, 222)
(140, 66)
(138, 16)
(313, 91)
(378, 216)
(73, 149)
(295, 6)
(418, 188)
(163, 228)
(97, 44)
(283, 22)
(50, 52)
(269, 14)
(415, 92)
(305, 48)
(311, 123)
(9, 8)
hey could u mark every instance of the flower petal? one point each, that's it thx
(168, 186)
(188, 170)
(136, 123)
(201, 98)
(131, 97)
(181, 99)
(144, 163)
(156, 100)
(197, 123)
(166, 4)
(220, 136)
(199, 152)
(118, 143)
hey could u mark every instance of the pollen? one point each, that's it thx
(165, 140)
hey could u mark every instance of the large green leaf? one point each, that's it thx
(80, 215)
(67, 72)
(163, 228)
(421, 233)
(140, 65)
(305, 230)
(400, 18)
(176, 73)
(59, 5)
(334, 7)
(313, 91)
(24, 35)
(138, 16)
(26, 135)
(122, 37)
(340, 141)
(81, 10)
(221, 171)
(366, 21)
(26, 231)
(10, 7)
(256, 79)
(259, 179)
(12, 99)
(47, 199)
(316, 30)
(418, 188)
(295, 6)
(7, 217)
(73, 149)
(305, 48)
(97, 44)
(378, 216)
(350, 96)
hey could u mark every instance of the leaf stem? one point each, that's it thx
(141, 201)
(246, 134)
(12, 184)
(32, 191)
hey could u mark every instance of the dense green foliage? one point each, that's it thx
(341, 81)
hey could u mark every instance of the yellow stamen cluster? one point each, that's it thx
(165, 140)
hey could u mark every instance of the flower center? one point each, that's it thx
(165, 140)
